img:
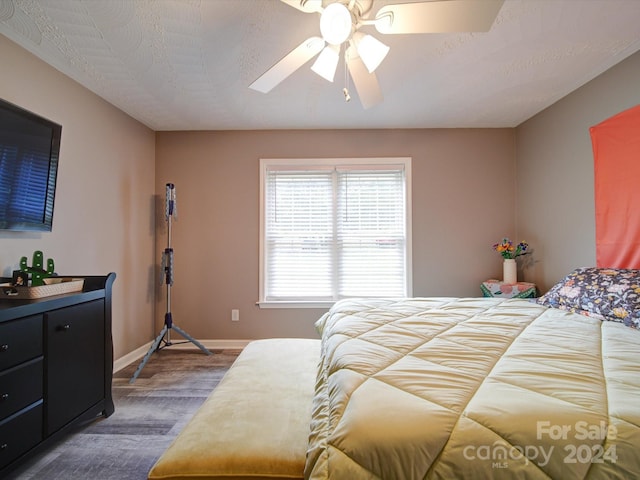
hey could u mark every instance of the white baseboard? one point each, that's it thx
(140, 352)
(130, 357)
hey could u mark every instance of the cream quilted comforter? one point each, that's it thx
(473, 388)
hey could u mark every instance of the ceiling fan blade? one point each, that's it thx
(289, 64)
(306, 6)
(366, 83)
(438, 16)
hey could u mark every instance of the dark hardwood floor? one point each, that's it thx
(149, 414)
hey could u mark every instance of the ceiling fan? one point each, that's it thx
(340, 24)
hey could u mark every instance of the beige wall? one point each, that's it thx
(556, 212)
(102, 220)
(112, 175)
(463, 202)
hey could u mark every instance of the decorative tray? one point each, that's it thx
(53, 286)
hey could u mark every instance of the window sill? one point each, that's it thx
(294, 304)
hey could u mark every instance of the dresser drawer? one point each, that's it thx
(20, 340)
(20, 386)
(20, 434)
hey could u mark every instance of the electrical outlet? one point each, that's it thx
(235, 315)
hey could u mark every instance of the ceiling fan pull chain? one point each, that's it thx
(345, 90)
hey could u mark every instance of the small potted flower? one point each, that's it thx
(508, 251)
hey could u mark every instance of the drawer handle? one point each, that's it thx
(3, 446)
(4, 396)
(64, 328)
(4, 348)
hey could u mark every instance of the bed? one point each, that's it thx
(482, 387)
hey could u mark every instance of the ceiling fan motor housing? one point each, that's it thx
(360, 7)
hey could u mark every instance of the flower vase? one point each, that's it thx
(509, 271)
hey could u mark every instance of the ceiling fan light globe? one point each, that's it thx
(327, 63)
(336, 24)
(371, 50)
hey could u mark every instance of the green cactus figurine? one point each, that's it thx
(37, 272)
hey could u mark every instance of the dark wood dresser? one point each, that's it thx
(56, 363)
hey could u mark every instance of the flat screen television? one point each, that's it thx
(29, 150)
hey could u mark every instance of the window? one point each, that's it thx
(334, 228)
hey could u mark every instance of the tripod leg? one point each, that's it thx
(191, 339)
(154, 347)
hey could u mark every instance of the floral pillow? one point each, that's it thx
(604, 293)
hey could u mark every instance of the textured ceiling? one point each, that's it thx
(187, 64)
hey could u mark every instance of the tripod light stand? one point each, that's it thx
(164, 338)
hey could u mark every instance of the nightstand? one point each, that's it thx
(496, 288)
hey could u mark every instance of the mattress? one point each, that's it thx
(473, 388)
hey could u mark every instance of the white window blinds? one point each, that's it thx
(334, 231)
(371, 233)
(299, 235)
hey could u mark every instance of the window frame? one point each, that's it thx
(331, 163)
